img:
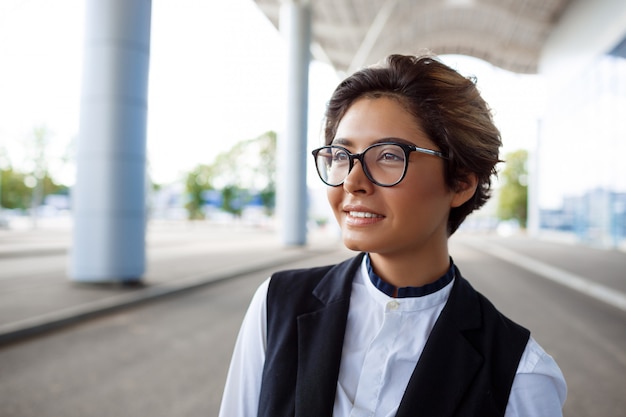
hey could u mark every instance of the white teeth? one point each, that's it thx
(363, 214)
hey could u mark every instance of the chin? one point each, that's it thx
(358, 245)
(353, 247)
(351, 243)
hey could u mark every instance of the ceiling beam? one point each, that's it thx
(372, 35)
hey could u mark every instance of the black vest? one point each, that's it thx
(466, 369)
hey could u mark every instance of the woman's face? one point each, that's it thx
(402, 219)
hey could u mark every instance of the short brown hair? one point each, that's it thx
(448, 107)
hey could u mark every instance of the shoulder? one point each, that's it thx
(500, 340)
(535, 360)
(288, 281)
(539, 388)
(292, 282)
(292, 293)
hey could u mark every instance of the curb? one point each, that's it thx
(35, 326)
(33, 252)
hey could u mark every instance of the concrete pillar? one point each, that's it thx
(109, 195)
(295, 25)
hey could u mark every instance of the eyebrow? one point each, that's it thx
(348, 142)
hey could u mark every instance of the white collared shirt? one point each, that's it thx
(384, 339)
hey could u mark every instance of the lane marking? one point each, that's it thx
(575, 282)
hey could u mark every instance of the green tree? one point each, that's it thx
(234, 199)
(249, 167)
(39, 144)
(17, 188)
(513, 201)
(24, 190)
(15, 193)
(198, 182)
(267, 170)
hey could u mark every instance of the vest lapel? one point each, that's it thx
(320, 342)
(448, 363)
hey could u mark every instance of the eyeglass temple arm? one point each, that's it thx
(428, 151)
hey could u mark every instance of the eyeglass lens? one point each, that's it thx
(384, 164)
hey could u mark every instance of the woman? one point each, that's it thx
(395, 331)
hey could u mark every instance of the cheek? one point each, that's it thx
(427, 181)
(423, 194)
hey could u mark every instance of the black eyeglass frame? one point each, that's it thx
(359, 156)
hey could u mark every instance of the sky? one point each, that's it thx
(217, 76)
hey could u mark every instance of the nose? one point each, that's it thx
(356, 181)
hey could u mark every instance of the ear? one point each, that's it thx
(464, 190)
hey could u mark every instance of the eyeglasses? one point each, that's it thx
(384, 163)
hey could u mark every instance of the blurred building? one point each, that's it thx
(598, 217)
(582, 177)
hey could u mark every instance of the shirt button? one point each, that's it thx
(393, 305)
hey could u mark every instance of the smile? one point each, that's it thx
(363, 215)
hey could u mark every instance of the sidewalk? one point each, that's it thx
(37, 296)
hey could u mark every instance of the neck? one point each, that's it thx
(410, 271)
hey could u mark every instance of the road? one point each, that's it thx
(169, 358)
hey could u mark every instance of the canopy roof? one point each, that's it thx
(349, 34)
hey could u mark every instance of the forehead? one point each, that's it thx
(370, 119)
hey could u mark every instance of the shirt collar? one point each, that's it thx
(406, 292)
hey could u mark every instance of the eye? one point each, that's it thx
(390, 153)
(389, 156)
(340, 155)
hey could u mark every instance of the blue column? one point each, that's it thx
(109, 195)
(295, 25)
